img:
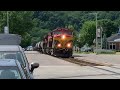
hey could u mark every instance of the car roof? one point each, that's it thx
(10, 39)
(8, 62)
(10, 48)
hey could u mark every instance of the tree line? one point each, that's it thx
(33, 25)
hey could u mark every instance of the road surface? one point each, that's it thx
(54, 68)
(102, 58)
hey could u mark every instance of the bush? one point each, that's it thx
(104, 51)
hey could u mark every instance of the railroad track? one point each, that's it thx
(110, 68)
(80, 62)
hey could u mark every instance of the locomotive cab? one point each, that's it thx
(63, 42)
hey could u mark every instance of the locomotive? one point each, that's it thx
(59, 42)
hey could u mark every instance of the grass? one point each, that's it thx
(117, 53)
(83, 52)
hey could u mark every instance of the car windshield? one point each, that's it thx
(8, 72)
(13, 55)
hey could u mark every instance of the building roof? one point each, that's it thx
(114, 38)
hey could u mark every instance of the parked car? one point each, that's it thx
(86, 48)
(29, 48)
(11, 69)
(16, 52)
(10, 49)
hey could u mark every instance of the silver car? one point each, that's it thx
(11, 69)
(16, 52)
(10, 49)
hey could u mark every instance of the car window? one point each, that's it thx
(13, 55)
(9, 73)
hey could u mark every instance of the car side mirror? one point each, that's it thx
(33, 66)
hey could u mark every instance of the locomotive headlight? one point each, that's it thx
(63, 37)
(69, 45)
(59, 45)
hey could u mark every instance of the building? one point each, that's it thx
(114, 41)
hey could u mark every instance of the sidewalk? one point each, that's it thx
(106, 59)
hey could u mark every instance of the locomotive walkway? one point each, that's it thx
(54, 68)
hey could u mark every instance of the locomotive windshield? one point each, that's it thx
(57, 32)
(67, 32)
(62, 32)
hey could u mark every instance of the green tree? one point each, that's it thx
(87, 33)
(26, 40)
(104, 43)
(109, 27)
(20, 22)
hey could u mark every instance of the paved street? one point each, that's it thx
(54, 68)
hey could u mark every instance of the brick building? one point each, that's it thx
(114, 41)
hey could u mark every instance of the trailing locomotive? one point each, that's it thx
(59, 42)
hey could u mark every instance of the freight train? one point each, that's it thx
(58, 42)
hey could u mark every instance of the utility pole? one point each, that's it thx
(96, 33)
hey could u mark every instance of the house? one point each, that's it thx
(114, 41)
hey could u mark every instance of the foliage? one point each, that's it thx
(20, 22)
(87, 33)
(104, 43)
(35, 24)
(109, 27)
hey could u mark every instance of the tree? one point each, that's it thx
(20, 22)
(109, 27)
(26, 40)
(104, 42)
(87, 33)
